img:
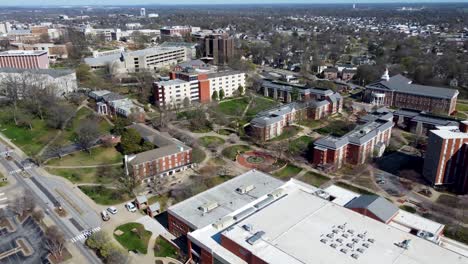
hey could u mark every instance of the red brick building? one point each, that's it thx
(24, 59)
(356, 147)
(446, 158)
(170, 156)
(399, 91)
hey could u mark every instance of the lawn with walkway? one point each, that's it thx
(133, 237)
(288, 172)
(233, 107)
(232, 151)
(96, 156)
(198, 155)
(300, 145)
(104, 196)
(288, 132)
(260, 104)
(162, 248)
(211, 141)
(337, 128)
(69, 135)
(80, 175)
(313, 178)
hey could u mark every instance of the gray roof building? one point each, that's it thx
(378, 206)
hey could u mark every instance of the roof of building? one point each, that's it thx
(380, 207)
(54, 73)
(109, 97)
(99, 93)
(171, 82)
(178, 44)
(23, 52)
(314, 231)
(141, 199)
(449, 132)
(223, 73)
(154, 207)
(402, 84)
(226, 198)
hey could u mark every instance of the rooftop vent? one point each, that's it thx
(322, 194)
(371, 240)
(257, 236)
(224, 222)
(339, 240)
(244, 213)
(208, 207)
(356, 256)
(333, 245)
(276, 193)
(323, 240)
(360, 250)
(344, 250)
(366, 245)
(245, 189)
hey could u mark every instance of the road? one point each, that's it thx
(50, 193)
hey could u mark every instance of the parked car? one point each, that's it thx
(130, 207)
(112, 210)
(105, 216)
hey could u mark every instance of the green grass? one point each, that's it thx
(260, 104)
(30, 141)
(134, 241)
(288, 172)
(462, 107)
(354, 188)
(211, 141)
(98, 156)
(300, 145)
(458, 233)
(231, 151)
(234, 107)
(103, 195)
(314, 178)
(408, 208)
(162, 248)
(336, 128)
(310, 123)
(198, 155)
(225, 132)
(288, 132)
(69, 133)
(81, 175)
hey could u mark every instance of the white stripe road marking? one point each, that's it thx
(82, 235)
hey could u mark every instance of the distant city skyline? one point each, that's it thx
(204, 2)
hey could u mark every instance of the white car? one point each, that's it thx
(112, 210)
(130, 207)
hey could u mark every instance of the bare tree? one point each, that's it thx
(38, 215)
(87, 133)
(55, 242)
(117, 256)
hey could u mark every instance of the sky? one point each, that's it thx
(194, 2)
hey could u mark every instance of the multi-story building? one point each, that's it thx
(271, 123)
(191, 48)
(24, 59)
(286, 91)
(257, 219)
(217, 48)
(135, 61)
(169, 156)
(446, 158)
(54, 51)
(59, 82)
(176, 31)
(399, 91)
(197, 86)
(356, 147)
(421, 123)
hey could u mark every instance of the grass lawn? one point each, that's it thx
(408, 208)
(310, 123)
(336, 128)
(31, 141)
(234, 107)
(288, 132)
(288, 172)
(69, 133)
(462, 107)
(98, 156)
(81, 175)
(457, 232)
(211, 141)
(231, 151)
(103, 195)
(300, 145)
(135, 237)
(448, 200)
(162, 248)
(354, 188)
(260, 104)
(226, 132)
(314, 178)
(198, 155)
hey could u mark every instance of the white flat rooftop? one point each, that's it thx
(342, 196)
(22, 52)
(300, 227)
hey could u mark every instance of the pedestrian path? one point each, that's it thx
(85, 234)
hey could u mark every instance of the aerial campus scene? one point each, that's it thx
(234, 132)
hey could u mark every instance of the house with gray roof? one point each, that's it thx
(399, 91)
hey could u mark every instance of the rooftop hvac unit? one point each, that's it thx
(355, 240)
(339, 240)
(276, 193)
(366, 245)
(350, 231)
(257, 236)
(345, 235)
(350, 245)
(330, 235)
(360, 250)
(224, 222)
(371, 240)
(356, 256)
(248, 227)
(208, 207)
(344, 250)
(361, 235)
(245, 189)
(323, 240)
(333, 245)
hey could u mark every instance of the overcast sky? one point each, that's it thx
(193, 2)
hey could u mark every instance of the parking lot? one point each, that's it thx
(29, 231)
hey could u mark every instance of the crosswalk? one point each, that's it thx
(3, 200)
(85, 234)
